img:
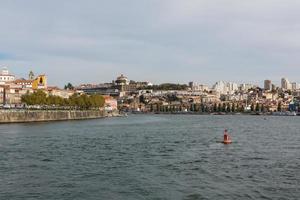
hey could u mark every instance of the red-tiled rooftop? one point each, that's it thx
(22, 81)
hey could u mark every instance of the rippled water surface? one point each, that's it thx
(152, 157)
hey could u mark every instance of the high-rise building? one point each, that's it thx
(246, 86)
(273, 87)
(285, 84)
(294, 86)
(191, 84)
(223, 87)
(268, 85)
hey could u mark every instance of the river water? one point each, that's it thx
(152, 157)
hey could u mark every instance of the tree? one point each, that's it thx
(75, 101)
(243, 108)
(202, 107)
(228, 109)
(206, 109)
(215, 109)
(224, 107)
(257, 108)
(219, 107)
(69, 86)
(279, 107)
(233, 109)
(252, 107)
(31, 75)
(151, 107)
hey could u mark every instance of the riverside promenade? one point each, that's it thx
(23, 116)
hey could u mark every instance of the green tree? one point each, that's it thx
(69, 86)
(219, 107)
(202, 107)
(224, 107)
(257, 108)
(233, 108)
(279, 107)
(75, 101)
(252, 107)
(215, 108)
(228, 109)
(31, 75)
(242, 108)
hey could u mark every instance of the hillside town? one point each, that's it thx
(144, 97)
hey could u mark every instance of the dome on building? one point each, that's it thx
(122, 80)
(5, 71)
(5, 76)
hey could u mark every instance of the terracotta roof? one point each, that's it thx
(52, 88)
(6, 75)
(23, 81)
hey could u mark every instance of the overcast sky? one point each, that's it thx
(93, 41)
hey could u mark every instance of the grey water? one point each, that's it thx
(152, 157)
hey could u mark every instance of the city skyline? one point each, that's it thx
(289, 83)
(170, 41)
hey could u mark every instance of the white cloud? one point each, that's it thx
(156, 40)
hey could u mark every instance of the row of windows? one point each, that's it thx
(22, 83)
(6, 78)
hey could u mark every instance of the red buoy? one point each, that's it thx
(227, 139)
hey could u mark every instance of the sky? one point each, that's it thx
(94, 41)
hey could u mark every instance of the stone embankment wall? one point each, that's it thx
(19, 116)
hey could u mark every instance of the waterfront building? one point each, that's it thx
(270, 96)
(40, 82)
(210, 98)
(55, 91)
(23, 83)
(5, 76)
(12, 93)
(110, 103)
(267, 84)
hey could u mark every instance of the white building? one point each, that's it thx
(285, 84)
(246, 86)
(295, 86)
(5, 76)
(198, 87)
(223, 87)
(232, 87)
(220, 87)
